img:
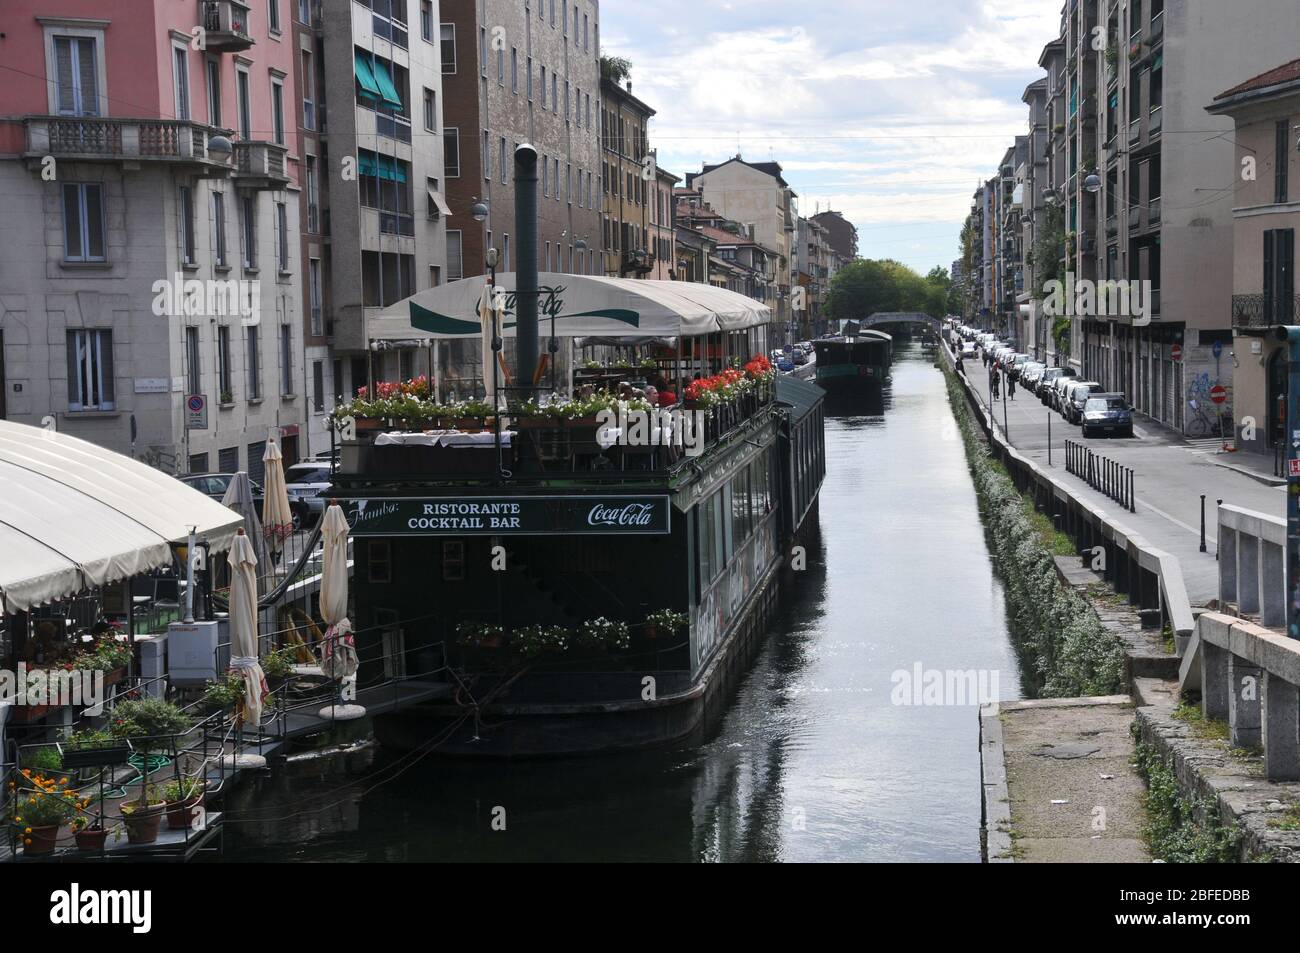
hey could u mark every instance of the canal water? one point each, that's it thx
(815, 760)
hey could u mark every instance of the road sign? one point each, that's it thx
(1176, 352)
(1293, 468)
(1218, 393)
(1217, 349)
(196, 412)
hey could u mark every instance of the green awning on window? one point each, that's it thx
(386, 87)
(366, 163)
(1160, 61)
(361, 66)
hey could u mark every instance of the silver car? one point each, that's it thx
(305, 482)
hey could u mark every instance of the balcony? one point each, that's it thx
(1153, 212)
(95, 139)
(1156, 121)
(1135, 132)
(225, 23)
(1264, 311)
(260, 165)
(1157, 27)
(397, 223)
(1134, 218)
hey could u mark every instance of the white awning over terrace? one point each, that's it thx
(75, 515)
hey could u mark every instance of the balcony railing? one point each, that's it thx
(1153, 211)
(1157, 119)
(1157, 26)
(94, 139)
(1134, 217)
(260, 164)
(1264, 311)
(225, 23)
(1134, 131)
(394, 127)
(397, 223)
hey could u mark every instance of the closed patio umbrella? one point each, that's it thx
(338, 651)
(277, 517)
(239, 497)
(485, 314)
(243, 625)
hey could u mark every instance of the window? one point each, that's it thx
(379, 561)
(1279, 276)
(555, 97)
(547, 266)
(313, 196)
(248, 211)
(277, 110)
(252, 361)
(228, 460)
(314, 297)
(502, 165)
(487, 155)
(213, 67)
(555, 172)
(426, 21)
(568, 183)
(514, 70)
(193, 369)
(1280, 173)
(90, 370)
(529, 79)
(482, 50)
(543, 87)
(286, 361)
(505, 253)
(273, 16)
(318, 386)
(244, 103)
(181, 82)
(566, 100)
(83, 222)
(586, 45)
(77, 70)
(282, 235)
(451, 152)
(219, 229)
(185, 211)
(225, 379)
(552, 14)
(546, 178)
(430, 110)
(447, 46)
(455, 261)
(501, 66)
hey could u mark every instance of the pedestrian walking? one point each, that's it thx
(1011, 388)
(993, 384)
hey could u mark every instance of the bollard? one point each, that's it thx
(1203, 522)
(1216, 538)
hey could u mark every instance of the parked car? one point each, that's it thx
(1109, 414)
(1077, 396)
(305, 483)
(968, 351)
(1029, 373)
(1060, 388)
(1044, 389)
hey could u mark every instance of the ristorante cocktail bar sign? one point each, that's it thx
(509, 516)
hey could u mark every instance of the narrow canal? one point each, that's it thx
(814, 761)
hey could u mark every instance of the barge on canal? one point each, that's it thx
(855, 363)
(584, 596)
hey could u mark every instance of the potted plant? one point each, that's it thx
(143, 818)
(534, 640)
(481, 635)
(665, 623)
(184, 798)
(148, 724)
(39, 813)
(89, 832)
(277, 667)
(89, 749)
(43, 762)
(223, 695)
(603, 633)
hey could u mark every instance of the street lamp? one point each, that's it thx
(1092, 184)
(479, 212)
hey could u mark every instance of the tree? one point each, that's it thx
(868, 286)
(615, 68)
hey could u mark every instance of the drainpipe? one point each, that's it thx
(526, 270)
(1290, 336)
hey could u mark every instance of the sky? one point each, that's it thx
(888, 111)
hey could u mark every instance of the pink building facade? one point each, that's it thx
(149, 159)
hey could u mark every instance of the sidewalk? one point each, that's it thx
(1170, 475)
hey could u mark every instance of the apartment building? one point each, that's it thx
(813, 268)
(1031, 181)
(1266, 215)
(628, 176)
(663, 226)
(841, 234)
(378, 232)
(755, 193)
(157, 311)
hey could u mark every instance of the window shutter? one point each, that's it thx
(63, 67)
(74, 380)
(1286, 273)
(105, 342)
(89, 77)
(1270, 275)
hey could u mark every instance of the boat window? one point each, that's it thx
(739, 510)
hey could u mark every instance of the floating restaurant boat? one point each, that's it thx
(587, 591)
(854, 364)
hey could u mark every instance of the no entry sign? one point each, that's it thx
(1218, 393)
(1176, 352)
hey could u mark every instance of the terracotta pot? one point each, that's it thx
(492, 642)
(180, 814)
(142, 824)
(651, 630)
(91, 838)
(43, 840)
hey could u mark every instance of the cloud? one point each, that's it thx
(889, 111)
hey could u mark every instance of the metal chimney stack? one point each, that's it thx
(526, 352)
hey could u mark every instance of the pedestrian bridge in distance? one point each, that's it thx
(900, 317)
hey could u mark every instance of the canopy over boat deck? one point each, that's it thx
(577, 306)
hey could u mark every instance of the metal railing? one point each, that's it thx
(1264, 311)
(1104, 475)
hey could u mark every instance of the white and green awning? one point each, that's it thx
(584, 306)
